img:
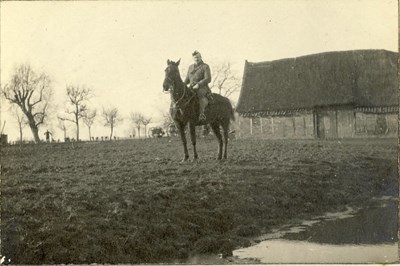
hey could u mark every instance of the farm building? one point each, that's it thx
(330, 95)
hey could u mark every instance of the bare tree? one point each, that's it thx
(224, 79)
(137, 120)
(77, 97)
(111, 118)
(88, 119)
(22, 122)
(31, 93)
(145, 122)
(61, 125)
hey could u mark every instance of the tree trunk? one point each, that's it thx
(33, 126)
(111, 132)
(35, 132)
(145, 131)
(65, 133)
(77, 129)
(138, 131)
(77, 122)
(20, 134)
(90, 135)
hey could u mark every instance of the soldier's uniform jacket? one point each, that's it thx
(199, 74)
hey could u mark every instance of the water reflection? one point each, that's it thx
(364, 236)
(374, 225)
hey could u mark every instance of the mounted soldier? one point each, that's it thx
(197, 78)
(184, 107)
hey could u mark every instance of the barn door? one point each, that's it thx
(326, 124)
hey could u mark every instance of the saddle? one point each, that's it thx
(209, 95)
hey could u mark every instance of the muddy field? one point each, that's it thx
(132, 202)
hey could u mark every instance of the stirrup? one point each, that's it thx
(202, 117)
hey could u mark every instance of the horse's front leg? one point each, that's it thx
(181, 129)
(192, 128)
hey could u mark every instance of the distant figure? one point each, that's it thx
(102, 138)
(115, 138)
(97, 138)
(47, 134)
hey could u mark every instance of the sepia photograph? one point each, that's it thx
(199, 132)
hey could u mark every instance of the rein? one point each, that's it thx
(183, 95)
(177, 103)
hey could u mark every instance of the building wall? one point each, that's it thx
(327, 124)
(376, 125)
(300, 126)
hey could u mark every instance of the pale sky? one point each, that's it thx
(119, 49)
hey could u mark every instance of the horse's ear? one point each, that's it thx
(177, 62)
(168, 62)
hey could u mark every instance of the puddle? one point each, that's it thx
(353, 236)
(289, 251)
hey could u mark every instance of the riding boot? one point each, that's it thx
(203, 105)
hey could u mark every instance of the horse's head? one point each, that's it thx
(172, 75)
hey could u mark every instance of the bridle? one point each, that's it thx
(172, 86)
(178, 103)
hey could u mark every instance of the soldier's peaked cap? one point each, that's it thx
(196, 53)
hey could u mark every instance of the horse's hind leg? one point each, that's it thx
(225, 128)
(192, 129)
(216, 130)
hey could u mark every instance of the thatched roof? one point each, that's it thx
(360, 78)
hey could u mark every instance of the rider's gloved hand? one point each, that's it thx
(196, 86)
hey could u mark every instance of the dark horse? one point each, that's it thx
(185, 110)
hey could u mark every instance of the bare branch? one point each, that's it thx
(89, 117)
(137, 118)
(224, 79)
(77, 98)
(111, 118)
(66, 119)
(146, 121)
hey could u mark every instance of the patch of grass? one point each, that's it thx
(132, 202)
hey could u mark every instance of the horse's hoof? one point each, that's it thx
(185, 159)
